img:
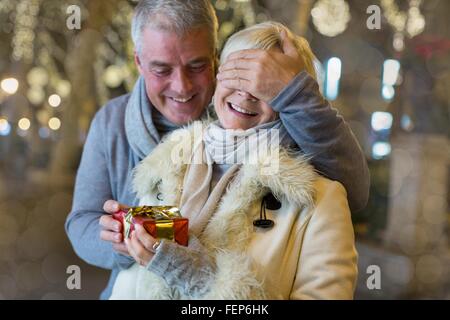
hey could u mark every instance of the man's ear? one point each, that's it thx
(137, 61)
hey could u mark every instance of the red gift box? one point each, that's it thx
(161, 222)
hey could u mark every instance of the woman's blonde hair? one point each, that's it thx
(267, 35)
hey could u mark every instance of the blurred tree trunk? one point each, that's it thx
(303, 16)
(79, 65)
(294, 14)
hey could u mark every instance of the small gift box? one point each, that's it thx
(161, 222)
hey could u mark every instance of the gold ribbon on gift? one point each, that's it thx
(162, 215)
(165, 230)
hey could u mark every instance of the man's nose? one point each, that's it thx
(181, 83)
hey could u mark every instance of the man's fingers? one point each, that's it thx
(238, 64)
(121, 248)
(237, 84)
(112, 206)
(243, 75)
(114, 237)
(109, 223)
(245, 54)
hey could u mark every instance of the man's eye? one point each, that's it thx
(161, 72)
(198, 67)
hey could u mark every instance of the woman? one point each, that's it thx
(263, 224)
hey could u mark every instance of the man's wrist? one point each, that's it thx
(122, 260)
(289, 92)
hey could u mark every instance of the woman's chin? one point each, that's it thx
(234, 126)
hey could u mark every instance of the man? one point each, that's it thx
(175, 53)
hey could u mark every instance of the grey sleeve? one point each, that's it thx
(321, 133)
(189, 269)
(92, 189)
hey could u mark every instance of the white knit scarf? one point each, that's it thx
(226, 146)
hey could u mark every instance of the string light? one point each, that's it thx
(25, 23)
(411, 23)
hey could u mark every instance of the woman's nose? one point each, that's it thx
(247, 96)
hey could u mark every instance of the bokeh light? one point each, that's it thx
(388, 92)
(5, 127)
(63, 88)
(113, 76)
(44, 132)
(24, 124)
(9, 85)
(36, 95)
(332, 77)
(406, 123)
(54, 100)
(330, 17)
(391, 69)
(54, 123)
(38, 76)
(381, 150)
(381, 121)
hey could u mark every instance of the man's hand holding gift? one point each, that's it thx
(112, 228)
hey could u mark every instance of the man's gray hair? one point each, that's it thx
(177, 16)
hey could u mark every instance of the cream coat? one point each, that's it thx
(309, 253)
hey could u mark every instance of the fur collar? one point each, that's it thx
(293, 180)
(159, 173)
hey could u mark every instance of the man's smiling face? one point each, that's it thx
(178, 72)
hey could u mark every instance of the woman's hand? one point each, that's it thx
(141, 245)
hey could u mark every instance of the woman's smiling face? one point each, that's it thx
(240, 110)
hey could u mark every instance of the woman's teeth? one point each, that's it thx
(182, 100)
(241, 110)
